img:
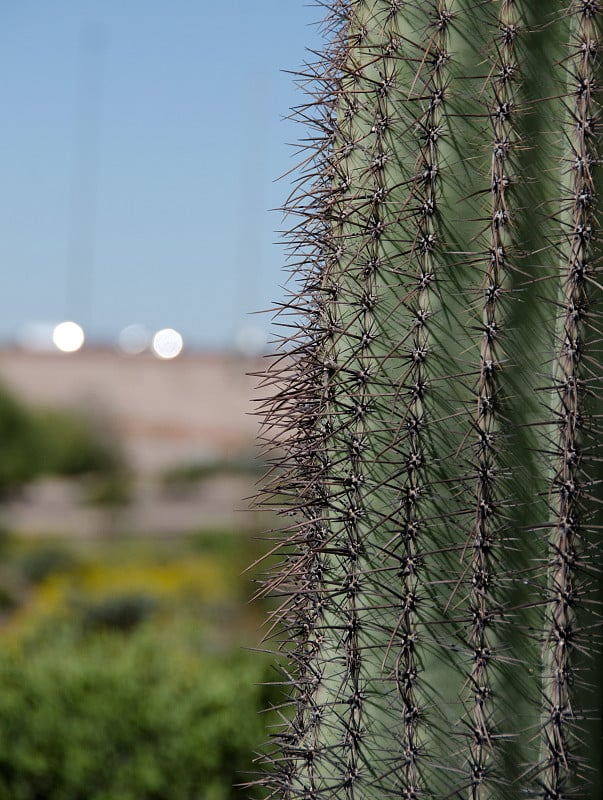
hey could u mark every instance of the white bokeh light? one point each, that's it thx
(68, 337)
(134, 339)
(167, 343)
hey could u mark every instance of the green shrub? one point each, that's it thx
(114, 718)
(122, 612)
(18, 462)
(74, 445)
(42, 561)
(38, 442)
(69, 445)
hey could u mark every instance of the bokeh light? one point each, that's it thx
(134, 339)
(68, 337)
(167, 343)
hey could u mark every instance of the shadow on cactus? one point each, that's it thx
(438, 404)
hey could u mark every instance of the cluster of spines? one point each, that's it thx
(343, 221)
(427, 94)
(484, 551)
(348, 219)
(346, 397)
(295, 415)
(567, 545)
(359, 216)
(377, 200)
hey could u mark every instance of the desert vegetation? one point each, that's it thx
(123, 668)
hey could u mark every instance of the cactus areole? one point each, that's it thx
(435, 409)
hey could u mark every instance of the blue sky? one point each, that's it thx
(141, 141)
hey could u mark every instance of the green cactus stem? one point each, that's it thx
(440, 507)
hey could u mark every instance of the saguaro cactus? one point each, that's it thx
(435, 407)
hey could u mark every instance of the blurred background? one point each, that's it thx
(141, 143)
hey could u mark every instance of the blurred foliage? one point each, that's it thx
(38, 442)
(19, 455)
(69, 445)
(122, 672)
(114, 718)
(197, 577)
(181, 479)
(122, 612)
(39, 563)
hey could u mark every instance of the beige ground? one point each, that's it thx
(194, 408)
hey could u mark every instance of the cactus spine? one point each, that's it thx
(571, 377)
(441, 516)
